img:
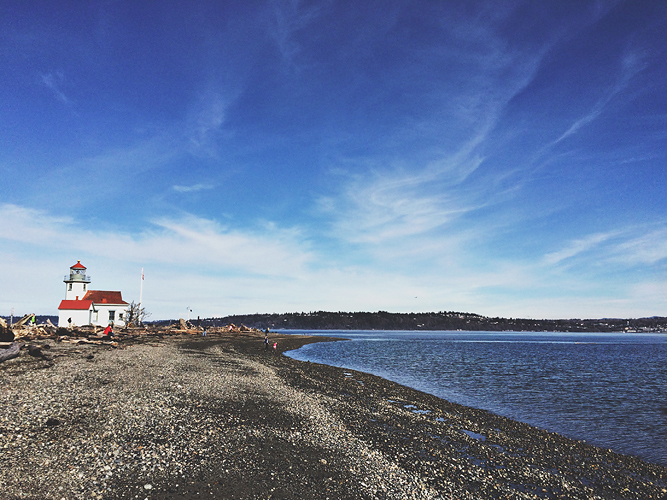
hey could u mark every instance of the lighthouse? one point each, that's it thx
(77, 282)
(83, 306)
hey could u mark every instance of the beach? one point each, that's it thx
(183, 417)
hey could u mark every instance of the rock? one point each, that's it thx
(36, 352)
(52, 422)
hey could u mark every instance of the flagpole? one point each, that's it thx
(141, 290)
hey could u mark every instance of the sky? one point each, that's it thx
(500, 158)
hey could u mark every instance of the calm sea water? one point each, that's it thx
(607, 389)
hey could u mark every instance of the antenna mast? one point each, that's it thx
(141, 289)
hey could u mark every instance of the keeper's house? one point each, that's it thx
(89, 307)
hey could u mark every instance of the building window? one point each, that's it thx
(84, 287)
(112, 315)
(70, 287)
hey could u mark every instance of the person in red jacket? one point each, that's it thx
(108, 331)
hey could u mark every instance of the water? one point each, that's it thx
(607, 389)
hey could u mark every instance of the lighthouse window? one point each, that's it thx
(84, 287)
(70, 287)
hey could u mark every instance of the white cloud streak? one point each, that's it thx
(577, 247)
(625, 248)
(647, 248)
(205, 123)
(631, 64)
(54, 81)
(192, 189)
(287, 20)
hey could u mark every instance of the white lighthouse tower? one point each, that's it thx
(76, 284)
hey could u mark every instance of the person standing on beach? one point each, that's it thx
(275, 346)
(266, 342)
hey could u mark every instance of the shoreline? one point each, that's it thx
(188, 417)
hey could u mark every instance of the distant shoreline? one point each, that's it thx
(430, 321)
(442, 321)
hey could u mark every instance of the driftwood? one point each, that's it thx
(12, 352)
(22, 321)
(86, 341)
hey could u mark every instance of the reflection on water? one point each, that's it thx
(607, 389)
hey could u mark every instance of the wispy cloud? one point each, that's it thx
(402, 197)
(54, 82)
(193, 188)
(626, 247)
(288, 19)
(647, 248)
(272, 252)
(631, 63)
(115, 171)
(205, 122)
(577, 247)
(169, 240)
(29, 225)
(390, 207)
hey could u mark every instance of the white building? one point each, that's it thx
(89, 307)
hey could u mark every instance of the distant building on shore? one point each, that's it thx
(89, 307)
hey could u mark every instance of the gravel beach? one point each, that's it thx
(187, 417)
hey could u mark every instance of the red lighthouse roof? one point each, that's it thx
(82, 305)
(78, 265)
(104, 297)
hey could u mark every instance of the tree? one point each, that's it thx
(135, 314)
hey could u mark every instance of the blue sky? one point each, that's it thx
(503, 158)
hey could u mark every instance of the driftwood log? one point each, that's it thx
(12, 352)
(22, 321)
